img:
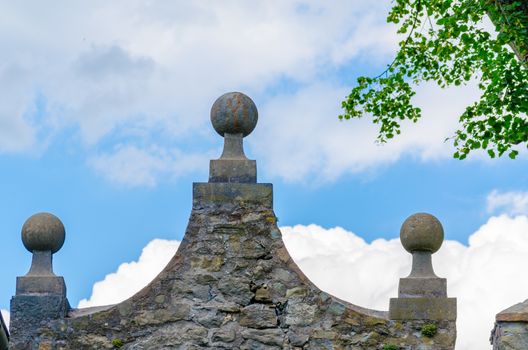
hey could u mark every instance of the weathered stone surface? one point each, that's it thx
(265, 336)
(27, 285)
(170, 313)
(298, 337)
(510, 336)
(237, 289)
(224, 335)
(432, 287)
(299, 313)
(423, 309)
(511, 328)
(422, 232)
(296, 291)
(233, 170)
(258, 316)
(207, 193)
(234, 112)
(232, 285)
(422, 295)
(42, 309)
(515, 313)
(43, 232)
(3, 334)
(263, 295)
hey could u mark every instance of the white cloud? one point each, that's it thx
(131, 277)
(299, 137)
(6, 316)
(512, 203)
(132, 166)
(484, 276)
(129, 65)
(125, 66)
(343, 264)
(163, 62)
(17, 133)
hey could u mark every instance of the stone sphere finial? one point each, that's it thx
(234, 113)
(43, 232)
(422, 232)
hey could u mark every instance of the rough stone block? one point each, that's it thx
(266, 336)
(29, 311)
(510, 336)
(258, 316)
(224, 335)
(300, 314)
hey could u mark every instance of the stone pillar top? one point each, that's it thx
(422, 235)
(40, 294)
(422, 232)
(234, 116)
(422, 295)
(43, 232)
(233, 177)
(234, 113)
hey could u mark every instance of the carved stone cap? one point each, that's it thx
(43, 232)
(515, 313)
(234, 113)
(234, 116)
(422, 232)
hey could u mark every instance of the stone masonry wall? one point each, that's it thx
(233, 285)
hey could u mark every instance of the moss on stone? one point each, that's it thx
(117, 343)
(390, 347)
(429, 330)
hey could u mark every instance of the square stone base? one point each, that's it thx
(434, 309)
(233, 170)
(28, 285)
(29, 311)
(433, 287)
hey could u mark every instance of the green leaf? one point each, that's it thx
(453, 52)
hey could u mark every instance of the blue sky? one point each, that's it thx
(104, 121)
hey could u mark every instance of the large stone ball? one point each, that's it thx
(234, 113)
(422, 232)
(43, 232)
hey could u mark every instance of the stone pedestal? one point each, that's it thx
(422, 295)
(40, 294)
(433, 309)
(423, 299)
(233, 170)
